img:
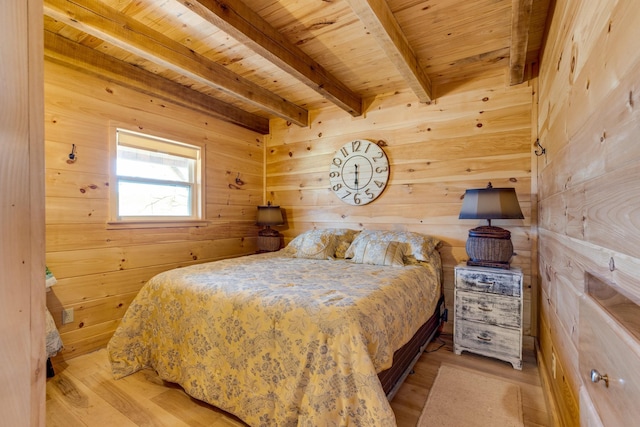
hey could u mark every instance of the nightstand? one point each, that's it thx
(488, 313)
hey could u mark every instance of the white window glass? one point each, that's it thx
(156, 178)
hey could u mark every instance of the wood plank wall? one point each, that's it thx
(473, 134)
(589, 180)
(100, 270)
(465, 139)
(22, 300)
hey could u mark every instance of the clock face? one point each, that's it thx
(359, 172)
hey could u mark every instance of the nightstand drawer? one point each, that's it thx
(489, 340)
(488, 308)
(490, 281)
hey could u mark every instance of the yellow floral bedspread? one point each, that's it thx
(278, 341)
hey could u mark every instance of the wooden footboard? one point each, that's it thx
(405, 357)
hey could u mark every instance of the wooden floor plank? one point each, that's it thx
(192, 411)
(83, 366)
(84, 393)
(127, 397)
(59, 416)
(85, 406)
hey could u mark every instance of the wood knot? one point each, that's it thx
(322, 24)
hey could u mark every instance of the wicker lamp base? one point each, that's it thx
(489, 247)
(269, 243)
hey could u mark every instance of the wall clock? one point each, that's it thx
(359, 172)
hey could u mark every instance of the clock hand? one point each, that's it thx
(356, 182)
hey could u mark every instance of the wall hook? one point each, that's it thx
(542, 149)
(72, 156)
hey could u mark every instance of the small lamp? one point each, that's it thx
(268, 238)
(490, 246)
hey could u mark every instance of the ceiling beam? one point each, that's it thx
(520, 22)
(70, 54)
(236, 19)
(108, 24)
(379, 20)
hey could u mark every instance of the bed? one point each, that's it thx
(303, 336)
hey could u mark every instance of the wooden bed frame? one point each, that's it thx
(406, 357)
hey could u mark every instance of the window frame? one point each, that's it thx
(197, 186)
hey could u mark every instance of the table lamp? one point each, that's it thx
(490, 246)
(268, 238)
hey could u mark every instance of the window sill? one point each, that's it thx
(124, 225)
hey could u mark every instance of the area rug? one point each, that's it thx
(460, 397)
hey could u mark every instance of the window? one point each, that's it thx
(156, 179)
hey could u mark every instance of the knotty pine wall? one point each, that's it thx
(22, 301)
(100, 270)
(470, 136)
(589, 180)
(464, 140)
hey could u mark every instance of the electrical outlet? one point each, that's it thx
(67, 316)
(553, 365)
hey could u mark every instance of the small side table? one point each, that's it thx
(488, 313)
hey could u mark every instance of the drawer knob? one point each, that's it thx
(596, 376)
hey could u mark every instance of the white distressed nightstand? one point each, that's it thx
(488, 313)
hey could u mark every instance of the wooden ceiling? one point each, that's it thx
(247, 62)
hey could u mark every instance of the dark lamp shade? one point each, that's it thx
(490, 203)
(269, 215)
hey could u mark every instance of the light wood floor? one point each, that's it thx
(83, 393)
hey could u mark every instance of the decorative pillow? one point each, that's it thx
(418, 245)
(379, 252)
(344, 237)
(313, 244)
